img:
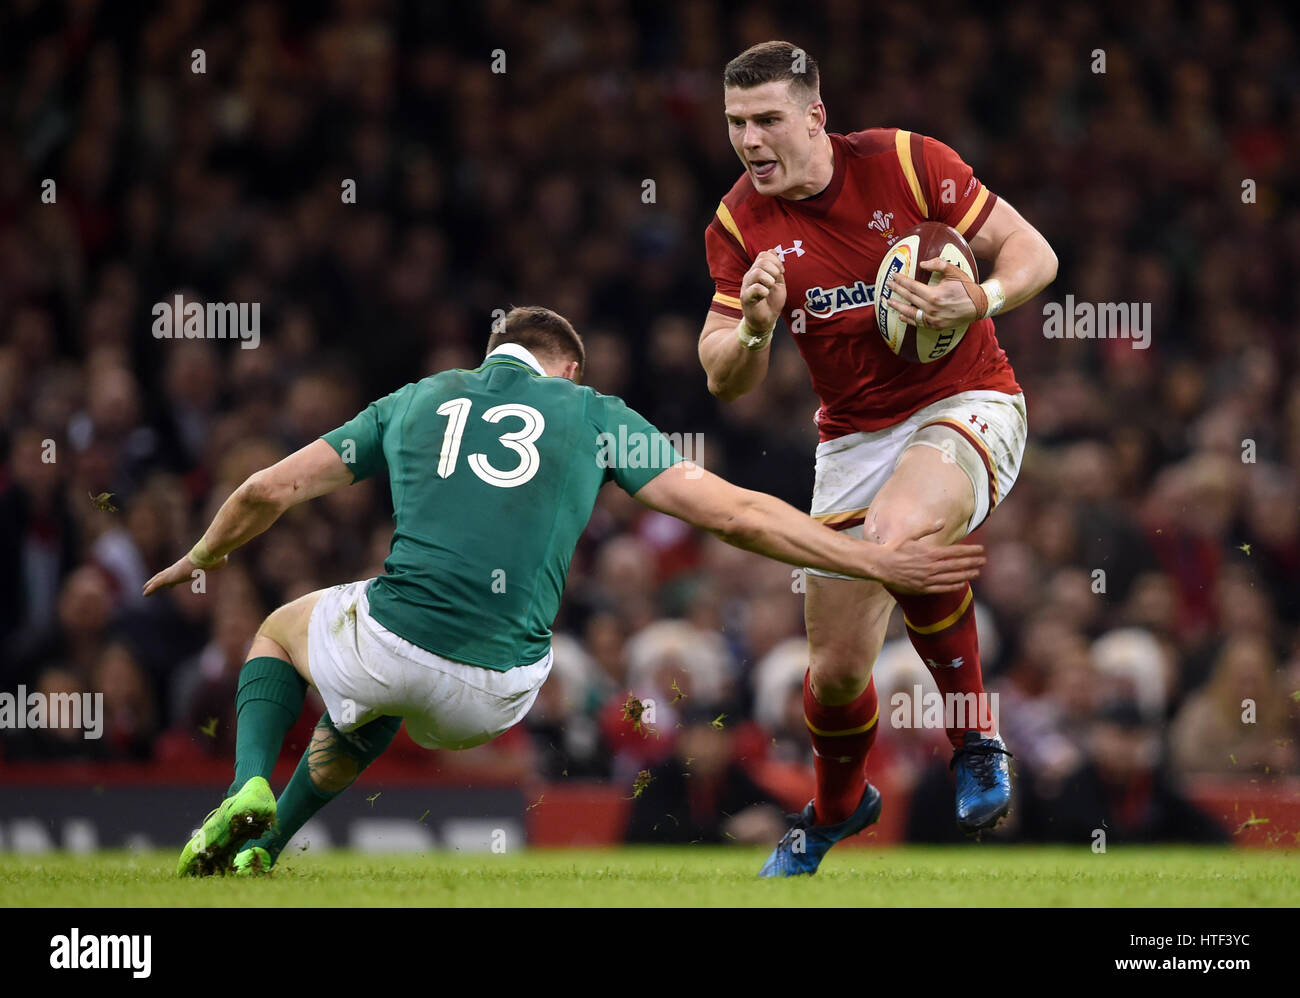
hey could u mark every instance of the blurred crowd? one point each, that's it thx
(1141, 580)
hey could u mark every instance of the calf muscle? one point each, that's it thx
(846, 623)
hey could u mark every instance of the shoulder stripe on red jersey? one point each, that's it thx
(904, 145)
(870, 142)
(718, 239)
(729, 223)
(977, 213)
(918, 162)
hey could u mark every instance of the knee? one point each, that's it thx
(886, 527)
(272, 623)
(840, 662)
(839, 673)
(266, 647)
(837, 688)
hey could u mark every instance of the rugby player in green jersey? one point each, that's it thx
(493, 474)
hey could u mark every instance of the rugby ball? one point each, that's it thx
(920, 345)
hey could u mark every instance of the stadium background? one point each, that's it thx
(477, 190)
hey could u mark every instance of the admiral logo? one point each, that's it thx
(823, 302)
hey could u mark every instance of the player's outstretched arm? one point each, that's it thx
(764, 524)
(305, 474)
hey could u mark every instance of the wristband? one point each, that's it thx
(751, 340)
(201, 556)
(997, 297)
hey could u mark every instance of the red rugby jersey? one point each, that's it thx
(886, 180)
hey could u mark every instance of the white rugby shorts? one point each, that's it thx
(364, 671)
(983, 431)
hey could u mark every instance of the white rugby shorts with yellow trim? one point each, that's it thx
(363, 671)
(983, 431)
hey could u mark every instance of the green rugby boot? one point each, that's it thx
(252, 862)
(249, 814)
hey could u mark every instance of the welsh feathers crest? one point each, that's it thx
(883, 222)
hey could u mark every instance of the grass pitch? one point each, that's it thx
(691, 876)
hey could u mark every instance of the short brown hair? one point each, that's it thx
(541, 331)
(770, 61)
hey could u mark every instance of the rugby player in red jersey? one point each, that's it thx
(801, 236)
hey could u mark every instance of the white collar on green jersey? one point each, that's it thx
(518, 353)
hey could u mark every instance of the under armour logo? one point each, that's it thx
(983, 426)
(956, 663)
(797, 250)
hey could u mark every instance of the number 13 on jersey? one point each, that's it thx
(521, 441)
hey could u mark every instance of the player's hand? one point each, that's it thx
(911, 565)
(181, 571)
(762, 292)
(945, 305)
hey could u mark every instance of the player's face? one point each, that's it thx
(774, 136)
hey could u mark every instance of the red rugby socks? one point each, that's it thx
(841, 737)
(942, 630)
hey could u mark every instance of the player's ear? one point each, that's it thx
(816, 118)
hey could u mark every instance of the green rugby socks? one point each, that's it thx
(338, 760)
(270, 698)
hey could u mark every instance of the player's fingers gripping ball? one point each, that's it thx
(906, 330)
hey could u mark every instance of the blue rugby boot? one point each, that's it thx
(983, 781)
(801, 849)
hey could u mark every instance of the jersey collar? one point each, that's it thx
(820, 204)
(508, 351)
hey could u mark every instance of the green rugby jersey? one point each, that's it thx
(493, 474)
